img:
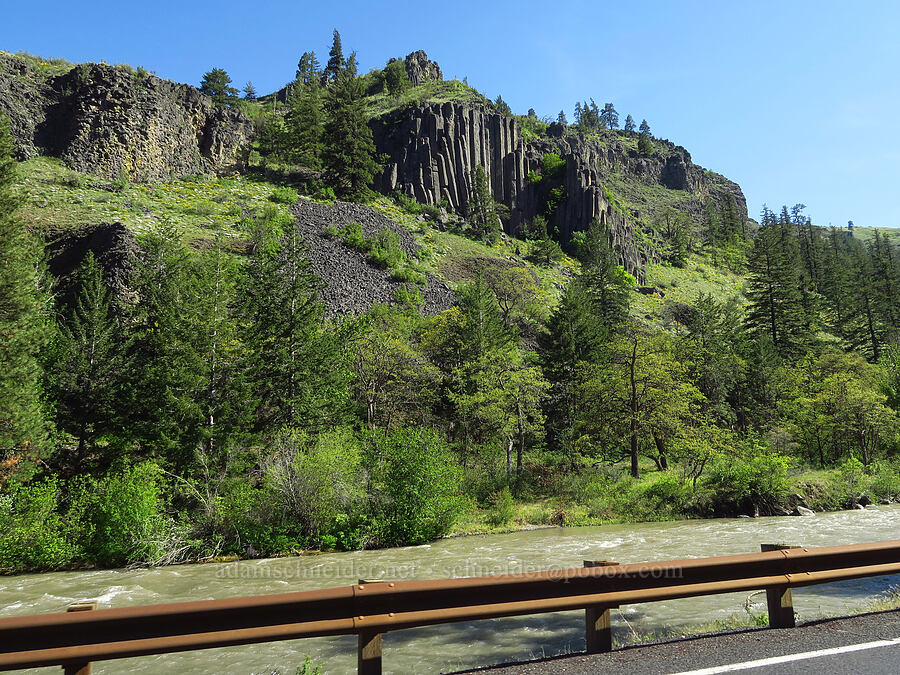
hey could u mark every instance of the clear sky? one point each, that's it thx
(796, 100)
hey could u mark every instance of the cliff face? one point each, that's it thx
(111, 121)
(432, 150)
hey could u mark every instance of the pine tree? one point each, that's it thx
(336, 62)
(167, 372)
(90, 369)
(501, 106)
(249, 91)
(578, 111)
(645, 145)
(348, 154)
(774, 289)
(304, 125)
(866, 330)
(483, 212)
(297, 369)
(308, 69)
(23, 328)
(224, 402)
(396, 79)
(607, 282)
(609, 116)
(561, 118)
(629, 124)
(217, 85)
(575, 335)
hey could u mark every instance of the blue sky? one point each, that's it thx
(795, 100)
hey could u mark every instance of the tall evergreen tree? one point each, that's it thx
(90, 370)
(217, 85)
(609, 116)
(304, 124)
(561, 118)
(249, 91)
(483, 212)
(348, 154)
(298, 369)
(23, 327)
(603, 277)
(575, 335)
(308, 69)
(336, 62)
(166, 418)
(774, 289)
(629, 124)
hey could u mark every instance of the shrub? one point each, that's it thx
(385, 249)
(502, 509)
(122, 515)
(317, 484)
(415, 486)
(33, 535)
(742, 483)
(284, 195)
(552, 165)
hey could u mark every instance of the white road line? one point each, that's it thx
(792, 657)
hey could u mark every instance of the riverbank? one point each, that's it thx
(437, 649)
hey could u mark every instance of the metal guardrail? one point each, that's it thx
(369, 609)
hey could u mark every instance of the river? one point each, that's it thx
(455, 646)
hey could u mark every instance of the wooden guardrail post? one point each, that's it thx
(597, 624)
(779, 598)
(368, 650)
(79, 668)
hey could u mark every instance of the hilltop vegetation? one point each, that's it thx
(191, 396)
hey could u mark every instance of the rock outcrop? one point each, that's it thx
(420, 70)
(113, 121)
(432, 150)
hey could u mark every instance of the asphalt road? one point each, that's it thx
(869, 643)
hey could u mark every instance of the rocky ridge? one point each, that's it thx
(112, 121)
(433, 148)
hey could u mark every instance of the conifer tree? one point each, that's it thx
(336, 62)
(629, 124)
(249, 91)
(575, 335)
(561, 118)
(217, 85)
(24, 330)
(609, 116)
(774, 289)
(298, 371)
(304, 124)
(308, 69)
(90, 368)
(483, 211)
(607, 281)
(348, 155)
(167, 372)
(502, 106)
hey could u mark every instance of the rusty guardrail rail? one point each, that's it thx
(369, 609)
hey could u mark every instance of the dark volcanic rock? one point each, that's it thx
(420, 70)
(112, 244)
(112, 121)
(433, 148)
(353, 285)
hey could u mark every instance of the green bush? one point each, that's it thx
(33, 535)
(502, 509)
(415, 486)
(352, 235)
(284, 195)
(552, 165)
(122, 515)
(385, 249)
(739, 484)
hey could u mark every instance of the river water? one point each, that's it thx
(464, 645)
